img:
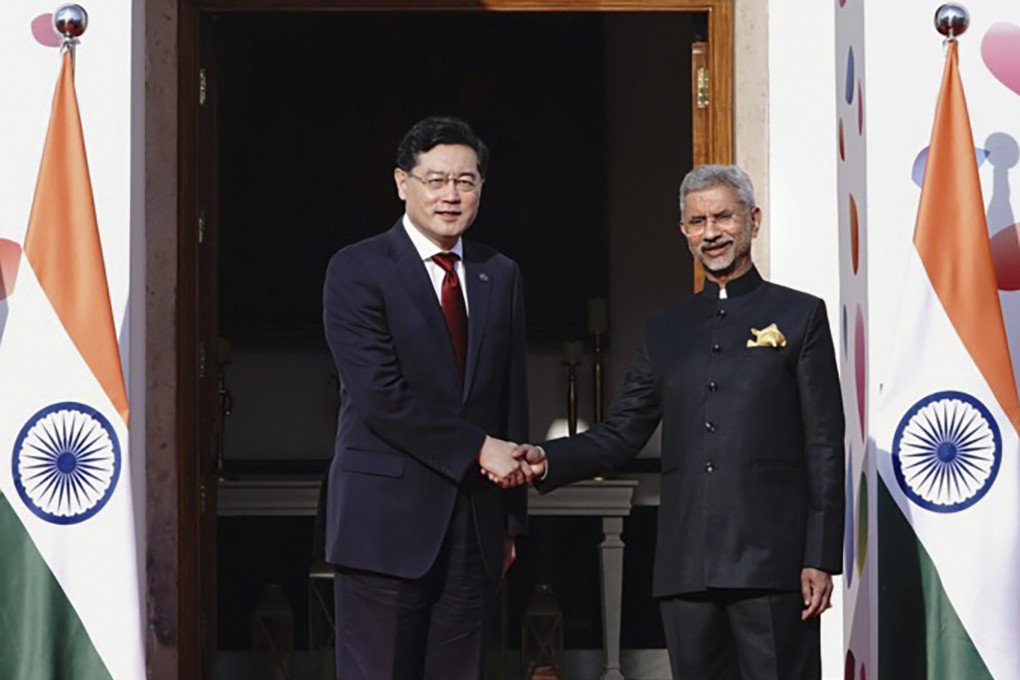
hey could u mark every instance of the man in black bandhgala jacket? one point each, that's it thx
(743, 379)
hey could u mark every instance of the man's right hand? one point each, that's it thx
(499, 463)
(533, 458)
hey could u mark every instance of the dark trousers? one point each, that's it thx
(431, 628)
(741, 635)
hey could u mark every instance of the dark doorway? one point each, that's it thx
(311, 107)
(589, 119)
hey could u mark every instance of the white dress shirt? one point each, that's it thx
(426, 249)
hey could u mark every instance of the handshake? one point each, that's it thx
(509, 465)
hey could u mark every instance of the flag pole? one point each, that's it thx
(70, 21)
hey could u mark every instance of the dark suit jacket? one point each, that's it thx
(409, 431)
(752, 439)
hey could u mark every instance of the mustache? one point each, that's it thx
(714, 244)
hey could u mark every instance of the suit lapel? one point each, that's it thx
(479, 285)
(423, 297)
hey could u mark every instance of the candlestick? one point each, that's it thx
(598, 377)
(572, 352)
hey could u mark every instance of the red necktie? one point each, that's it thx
(454, 310)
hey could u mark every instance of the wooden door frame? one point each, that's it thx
(191, 497)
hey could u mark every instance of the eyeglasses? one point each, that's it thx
(697, 224)
(466, 184)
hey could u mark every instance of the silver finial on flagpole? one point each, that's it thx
(70, 21)
(951, 20)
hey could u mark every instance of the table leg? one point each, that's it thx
(611, 563)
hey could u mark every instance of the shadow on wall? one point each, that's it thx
(10, 258)
(1003, 155)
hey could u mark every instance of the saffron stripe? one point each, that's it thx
(951, 236)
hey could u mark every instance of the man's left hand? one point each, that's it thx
(816, 586)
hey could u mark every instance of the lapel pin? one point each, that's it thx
(483, 277)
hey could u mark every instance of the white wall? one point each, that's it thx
(804, 240)
(802, 206)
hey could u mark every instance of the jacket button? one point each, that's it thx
(709, 426)
(716, 348)
(713, 386)
(709, 467)
(721, 313)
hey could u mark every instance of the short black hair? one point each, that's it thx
(433, 131)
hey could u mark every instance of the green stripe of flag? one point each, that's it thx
(920, 636)
(41, 636)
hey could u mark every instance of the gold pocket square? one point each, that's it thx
(770, 336)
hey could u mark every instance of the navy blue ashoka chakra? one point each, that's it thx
(66, 462)
(947, 451)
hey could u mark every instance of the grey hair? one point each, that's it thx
(708, 176)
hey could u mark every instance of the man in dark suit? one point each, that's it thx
(427, 332)
(743, 378)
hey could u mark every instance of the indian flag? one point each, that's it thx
(69, 578)
(946, 433)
